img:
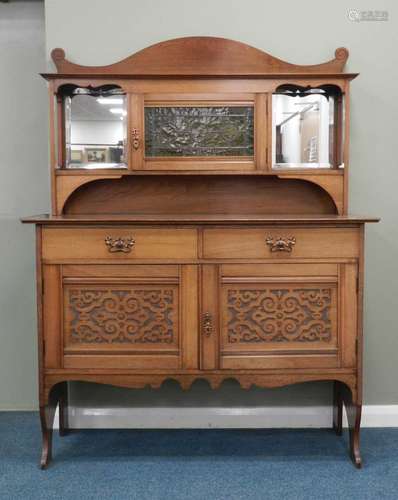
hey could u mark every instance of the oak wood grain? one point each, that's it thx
(200, 195)
(199, 268)
(220, 243)
(59, 243)
(199, 56)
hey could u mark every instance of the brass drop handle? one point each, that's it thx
(280, 244)
(135, 136)
(119, 244)
(207, 324)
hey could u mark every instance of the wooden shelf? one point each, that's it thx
(122, 172)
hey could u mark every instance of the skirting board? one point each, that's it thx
(219, 418)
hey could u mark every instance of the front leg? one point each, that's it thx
(353, 411)
(47, 413)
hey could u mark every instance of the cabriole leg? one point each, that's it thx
(47, 413)
(353, 411)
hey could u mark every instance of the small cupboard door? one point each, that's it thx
(127, 316)
(285, 316)
(198, 131)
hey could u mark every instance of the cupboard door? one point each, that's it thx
(287, 316)
(139, 317)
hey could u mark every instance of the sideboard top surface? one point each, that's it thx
(45, 219)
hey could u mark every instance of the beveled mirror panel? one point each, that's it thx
(307, 127)
(199, 131)
(95, 127)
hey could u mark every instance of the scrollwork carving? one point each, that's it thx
(121, 315)
(279, 315)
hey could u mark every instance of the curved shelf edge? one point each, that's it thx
(332, 184)
(66, 185)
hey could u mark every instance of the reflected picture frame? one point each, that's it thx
(76, 156)
(96, 155)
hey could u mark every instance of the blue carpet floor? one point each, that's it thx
(194, 464)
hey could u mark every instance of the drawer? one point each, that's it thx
(281, 242)
(121, 242)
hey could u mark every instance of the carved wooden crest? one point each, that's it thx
(200, 56)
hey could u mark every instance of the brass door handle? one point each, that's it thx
(119, 244)
(207, 324)
(280, 244)
(135, 138)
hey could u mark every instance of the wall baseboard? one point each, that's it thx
(222, 418)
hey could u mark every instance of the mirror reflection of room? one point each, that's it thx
(95, 128)
(307, 128)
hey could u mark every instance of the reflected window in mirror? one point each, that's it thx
(308, 126)
(95, 127)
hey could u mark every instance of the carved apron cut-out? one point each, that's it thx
(145, 315)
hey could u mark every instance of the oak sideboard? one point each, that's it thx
(199, 226)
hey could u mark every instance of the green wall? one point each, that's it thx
(102, 32)
(23, 190)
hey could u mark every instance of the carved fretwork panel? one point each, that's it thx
(282, 315)
(124, 315)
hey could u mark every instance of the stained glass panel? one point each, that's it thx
(199, 131)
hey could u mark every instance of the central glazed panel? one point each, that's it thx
(194, 131)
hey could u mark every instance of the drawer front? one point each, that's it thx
(280, 242)
(119, 243)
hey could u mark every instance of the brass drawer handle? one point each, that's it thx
(119, 244)
(207, 324)
(280, 244)
(136, 138)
